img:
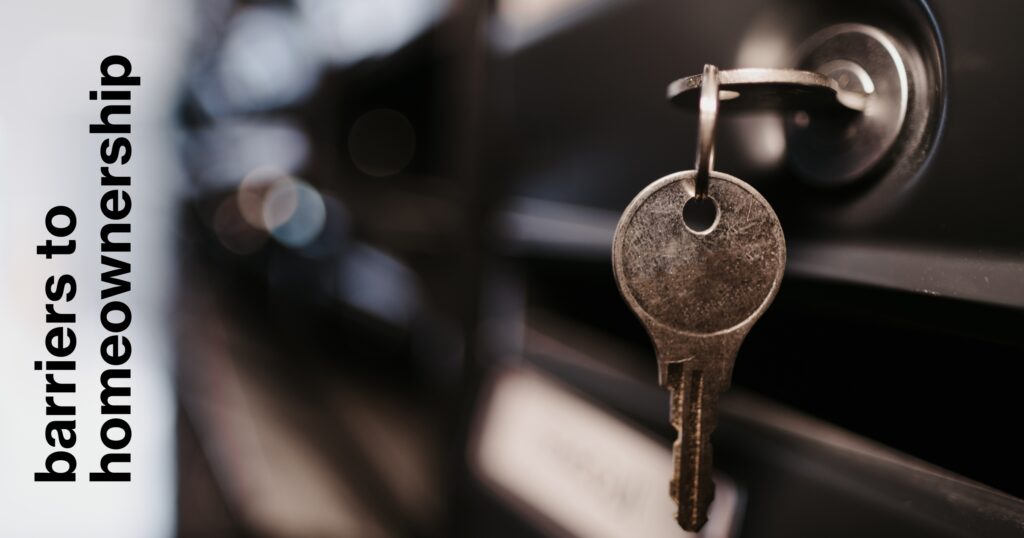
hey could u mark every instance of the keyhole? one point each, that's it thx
(700, 215)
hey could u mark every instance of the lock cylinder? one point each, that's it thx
(839, 148)
(838, 167)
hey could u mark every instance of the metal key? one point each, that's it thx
(697, 293)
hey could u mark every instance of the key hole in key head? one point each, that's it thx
(700, 214)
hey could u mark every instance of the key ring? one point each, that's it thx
(709, 101)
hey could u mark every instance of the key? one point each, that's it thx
(697, 292)
(773, 89)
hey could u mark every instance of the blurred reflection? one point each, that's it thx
(381, 142)
(222, 154)
(266, 59)
(378, 284)
(293, 212)
(586, 470)
(347, 31)
(234, 231)
(322, 328)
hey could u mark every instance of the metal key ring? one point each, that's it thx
(709, 101)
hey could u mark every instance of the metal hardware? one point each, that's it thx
(766, 88)
(832, 150)
(709, 103)
(845, 105)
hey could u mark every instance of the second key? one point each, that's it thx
(698, 287)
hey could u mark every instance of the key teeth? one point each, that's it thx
(692, 487)
(698, 515)
(697, 519)
(703, 498)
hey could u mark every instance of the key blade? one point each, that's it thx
(695, 383)
(694, 400)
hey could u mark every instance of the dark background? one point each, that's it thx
(483, 200)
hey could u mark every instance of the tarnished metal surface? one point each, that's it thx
(697, 294)
(772, 89)
(836, 150)
(706, 126)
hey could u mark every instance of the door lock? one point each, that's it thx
(846, 101)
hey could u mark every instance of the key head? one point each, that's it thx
(690, 283)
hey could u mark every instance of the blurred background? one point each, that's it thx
(373, 284)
